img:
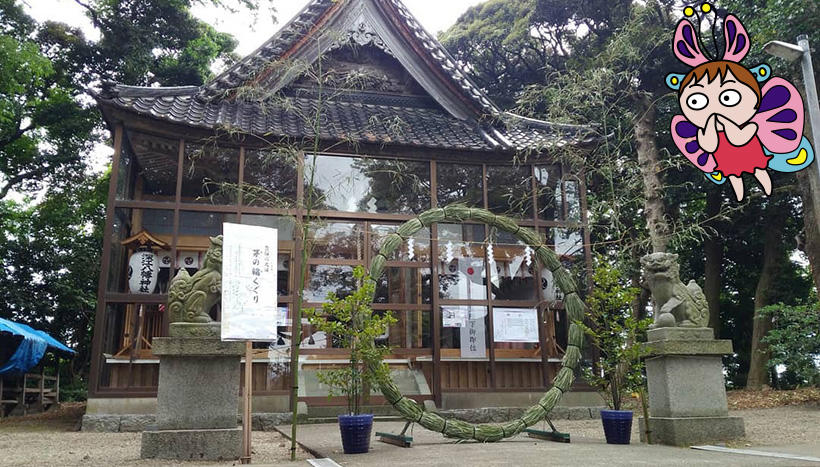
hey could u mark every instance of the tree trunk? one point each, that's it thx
(649, 162)
(809, 185)
(773, 252)
(713, 250)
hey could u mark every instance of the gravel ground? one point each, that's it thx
(764, 427)
(51, 442)
(45, 448)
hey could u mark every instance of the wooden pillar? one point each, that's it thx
(100, 318)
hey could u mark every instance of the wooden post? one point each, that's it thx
(23, 394)
(246, 408)
(57, 387)
(42, 387)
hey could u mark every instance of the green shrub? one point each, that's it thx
(794, 342)
(351, 322)
(76, 391)
(615, 331)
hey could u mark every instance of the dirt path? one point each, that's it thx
(52, 439)
(49, 440)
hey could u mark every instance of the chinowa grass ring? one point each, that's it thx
(412, 411)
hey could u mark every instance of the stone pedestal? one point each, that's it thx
(687, 396)
(197, 396)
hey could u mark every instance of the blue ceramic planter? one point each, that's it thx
(356, 432)
(617, 426)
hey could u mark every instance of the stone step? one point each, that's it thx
(333, 411)
(382, 418)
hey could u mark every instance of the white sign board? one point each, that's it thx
(249, 292)
(473, 335)
(453, 317)
(515, 325)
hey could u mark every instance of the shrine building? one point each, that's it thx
(357, 109)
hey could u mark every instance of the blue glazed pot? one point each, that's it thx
(617, 426)
(356, 432)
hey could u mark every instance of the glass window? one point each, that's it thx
(270, 179)
(340, 240)
(211, 174)
(411, 331)
(415, 249)
(548, 186)
(130, 327)
(310, 338)
(283, 224)
(368, 185)
(465, 329)
(461, 262)
(459, 183)
(127, 223)
(513, 269)
(509, 190)
(324, 279)
(404, 285)
(573, 192)
(125, 174)
(155, 167)
(201, 224)
(568, 241)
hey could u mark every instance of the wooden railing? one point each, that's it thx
(31, 391)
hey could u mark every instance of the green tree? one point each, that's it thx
(44, 131)
(50, 243)
(794, 343)
(50, 262)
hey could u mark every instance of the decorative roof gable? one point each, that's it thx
(462, 117)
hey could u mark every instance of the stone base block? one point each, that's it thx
(686, 386)
(213, 445)
(686, 431)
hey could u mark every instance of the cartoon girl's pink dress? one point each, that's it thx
(734, 160)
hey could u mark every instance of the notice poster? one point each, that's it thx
(515, 324)
(473, 335)
(249, 289)
(453, 316)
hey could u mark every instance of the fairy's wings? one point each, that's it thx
(793, 161)
(779, 117)
(684, 134)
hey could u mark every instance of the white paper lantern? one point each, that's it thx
(143, 270)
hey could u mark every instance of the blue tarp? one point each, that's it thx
(30, 350)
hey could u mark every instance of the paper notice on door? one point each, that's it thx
(515, 325)
(453, 317)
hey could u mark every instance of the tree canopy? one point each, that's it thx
(607, 69)
(52, 226)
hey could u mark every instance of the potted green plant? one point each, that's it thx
(351, 323)
(614, 330)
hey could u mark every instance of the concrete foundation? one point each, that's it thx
(196, 398)
(687, 396)
(213, 445)
(477, 400)
(686, 431)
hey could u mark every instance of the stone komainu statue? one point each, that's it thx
(190, 298)
(675, 304)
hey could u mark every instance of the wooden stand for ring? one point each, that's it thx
(246, 407)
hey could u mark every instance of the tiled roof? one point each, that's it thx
(355, 117)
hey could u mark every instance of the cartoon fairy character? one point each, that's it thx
(730, 124)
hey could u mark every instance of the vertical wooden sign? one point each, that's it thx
(250, 309)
